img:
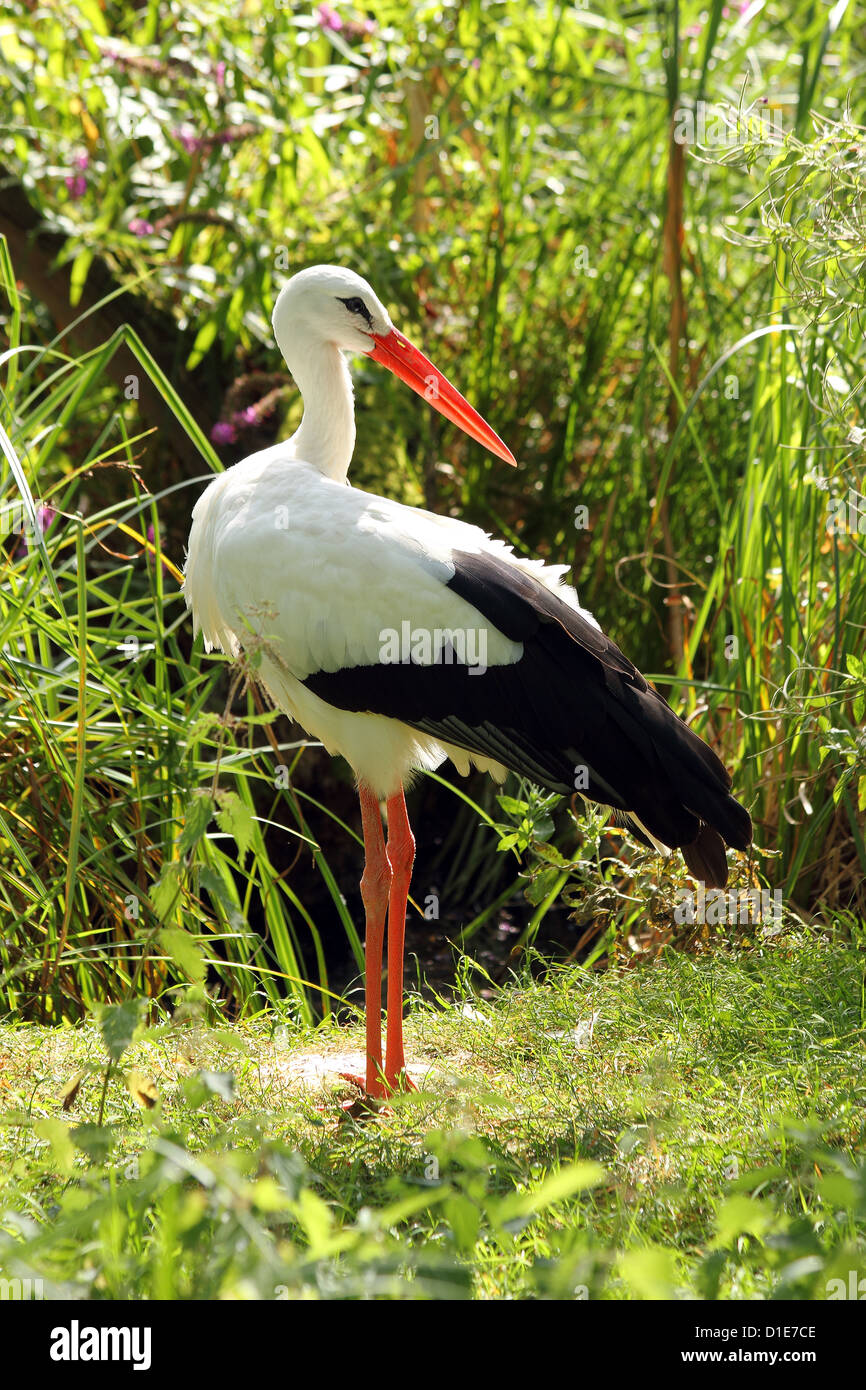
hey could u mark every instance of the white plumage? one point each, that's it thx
(318, 571)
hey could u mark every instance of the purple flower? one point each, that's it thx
(220, 74)
(245, 418)
(223, 432)
(44, 518)
(328, 18)
(76, 184)
(139, 226)
(188, 138)
(81, 161)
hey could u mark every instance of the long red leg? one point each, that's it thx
(401, 856)
(375, 888)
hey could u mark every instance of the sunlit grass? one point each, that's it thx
(693, 1128)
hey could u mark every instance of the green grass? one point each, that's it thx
(694, 1129)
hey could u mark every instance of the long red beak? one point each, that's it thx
(408, 363)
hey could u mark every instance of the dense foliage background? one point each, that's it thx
(636, 242)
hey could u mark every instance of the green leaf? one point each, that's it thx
(166, 891)
(92, 12)
(212, 884)
(566, 1182)
(551, 855)
(78, 275)
(203, 341)
(199, 810)
(838, 1192)
(542, 884)
(236, 819)
(118, 1024)
(315, 1217)
(94, 1140)
(651, 1272)
(59, 1136)
(464, 1219)
(738, 1216)
(185, 952)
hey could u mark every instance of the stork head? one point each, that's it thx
(327, 304)
(331, 305)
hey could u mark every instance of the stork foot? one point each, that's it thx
(373, 1098)
(401, 1081)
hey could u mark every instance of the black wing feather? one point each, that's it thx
(572, 701)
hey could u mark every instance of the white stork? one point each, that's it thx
(400, 638)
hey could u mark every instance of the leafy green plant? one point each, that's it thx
(119, 785)
(588, 279)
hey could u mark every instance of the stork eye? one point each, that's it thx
(357, 306)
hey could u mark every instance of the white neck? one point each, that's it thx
(326, 436)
